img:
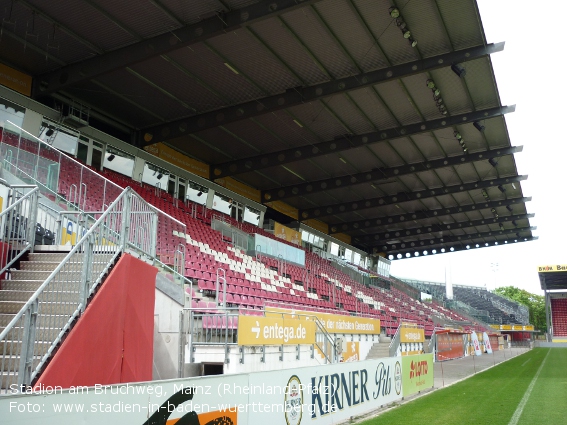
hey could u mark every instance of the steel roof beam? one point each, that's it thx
(308, 188)
(435, 228)
(351, 141)
(345, 207)
(421, 215)
(162, 44)
(447, 248)
(459, 239)
(300, 95)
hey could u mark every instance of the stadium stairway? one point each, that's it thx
(18, 288)
(379, 350)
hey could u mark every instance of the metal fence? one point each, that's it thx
(212, 327)
(58, 175)
(18, 224)
(35, 331)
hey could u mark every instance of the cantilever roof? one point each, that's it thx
(323, 105)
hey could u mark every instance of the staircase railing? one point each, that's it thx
(25, 344)
(325, 342)
(395, 343)
(18, 224)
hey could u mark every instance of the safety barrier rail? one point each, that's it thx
(17, 224)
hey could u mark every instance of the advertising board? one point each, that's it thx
(417, 373)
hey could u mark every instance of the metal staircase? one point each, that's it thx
(40, 301)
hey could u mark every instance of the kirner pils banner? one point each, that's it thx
(318, 395)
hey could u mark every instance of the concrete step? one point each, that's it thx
(52, 321)
(59, 296)
(7, 379)
(13, 307)
(33, 285)
(41, 333)
(57, 257)
(14, 348)
(12, 363)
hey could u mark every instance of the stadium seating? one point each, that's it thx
(251, 283)
(559, 316)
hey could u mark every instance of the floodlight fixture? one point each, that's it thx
(480, 127)
(394, 12)
(509, 208)
(501, 188)
(413, 42)
(459, 70)
(430, 84)
(493, 162)
(159, 176)
(111, 157)
(49, 132)
(485, 194)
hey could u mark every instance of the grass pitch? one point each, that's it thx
(500, 395)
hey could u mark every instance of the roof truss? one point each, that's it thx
(421, 215)
(382, 174)
(417, 231)
(162, 44)
(344, 207)
(300, 95)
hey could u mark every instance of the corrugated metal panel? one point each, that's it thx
(204, 152)
(274, 34)
(35, 30)
(144, 19)
(30, 61)
(346, 26)
(143, 94)
(421, 95)
(397, 101)
(225, 142)
(429, 146)
(317, 39)
(480, 82)
(373, 107)
(396, 48)
(319, 120)
(281, 123)
(407, 150)
(193, 11)
(387, 154)
(362, 158)
(426, 26)
(85, 21)
(453, 91)
(105, 101)
(255, 61)
(173, 80)
(254, 134)
(462, 22)
(348, 113)
(211, 69)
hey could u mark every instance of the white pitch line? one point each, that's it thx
(523, 364)
(520, 408)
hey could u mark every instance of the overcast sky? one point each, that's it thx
(529, 73)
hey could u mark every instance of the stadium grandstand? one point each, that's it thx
(219, 188)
